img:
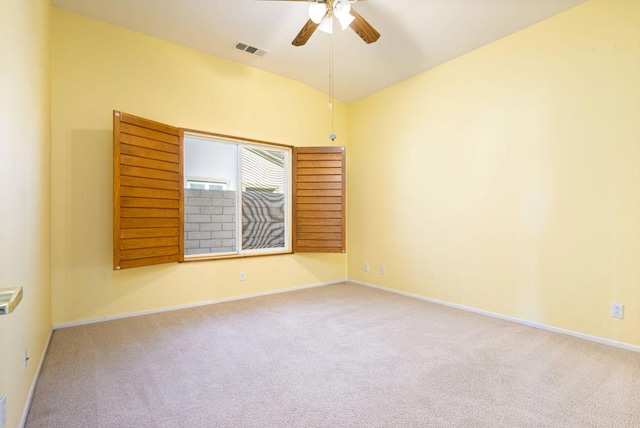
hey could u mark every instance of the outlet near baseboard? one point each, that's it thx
(617, 310)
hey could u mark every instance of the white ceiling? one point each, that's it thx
(416, 34)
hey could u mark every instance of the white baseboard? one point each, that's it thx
(597, 339)
(27, 405)
(191, 305)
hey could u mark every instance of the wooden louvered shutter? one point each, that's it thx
(319, 190)
(147, 192)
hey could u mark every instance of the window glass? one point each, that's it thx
(230, 180)
(263, 198)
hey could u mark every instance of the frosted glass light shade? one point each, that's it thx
(341, 9)
(326, 25)
(345, 20)
(317, 11)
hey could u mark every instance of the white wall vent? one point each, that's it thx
(252, 50)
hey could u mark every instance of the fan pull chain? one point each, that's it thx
(333, 136)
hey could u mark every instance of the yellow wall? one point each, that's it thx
(505, 180)
(509, 179)
(25, 192)
(98, 67)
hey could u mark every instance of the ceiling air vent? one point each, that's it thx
(252, 50)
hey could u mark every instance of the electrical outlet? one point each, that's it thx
(383, 270)
(366, 267)
(242, 276)
(617, 310)
(3, 410)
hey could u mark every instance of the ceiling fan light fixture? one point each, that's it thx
(341, 7)
(317, 11)
(321, 14)
(341, 10)
(326, 25)
(345, 19)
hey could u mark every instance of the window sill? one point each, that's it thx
(204, 258)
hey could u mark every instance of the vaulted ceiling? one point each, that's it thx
(416, 34)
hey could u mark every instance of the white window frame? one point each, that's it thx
(288, 195)
(206, 181)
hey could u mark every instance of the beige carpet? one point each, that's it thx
(336, 356)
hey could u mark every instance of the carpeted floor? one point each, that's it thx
(334, 356)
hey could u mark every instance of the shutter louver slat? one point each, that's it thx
(150, 183)
(146, 143)
(319, 178)
(148, 163)
(319, 222)
(318, 229)
(135, 171)
(132, 244)
(321, 186)
(143, 129)
(149, 223)
(147, 261)
(319, 193)
(319, 243)
(318, 200)
(126, 149)
(337, 156)
(148, 203)
(148, 212)
(144, 253)
(319, 164)
(142, 192)
(148, 208)
(320, 214)
(149, 232)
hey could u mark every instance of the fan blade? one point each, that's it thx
(304, 34)
(363, 28)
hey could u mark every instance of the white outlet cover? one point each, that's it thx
(617, 310)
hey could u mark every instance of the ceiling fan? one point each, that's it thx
(321, 14)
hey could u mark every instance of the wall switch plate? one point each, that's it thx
(366, 267)
(617, 310)
(383, 270)
(242, 276)
(3, 410)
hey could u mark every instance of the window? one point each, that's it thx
(264, 198)
(256, 190)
